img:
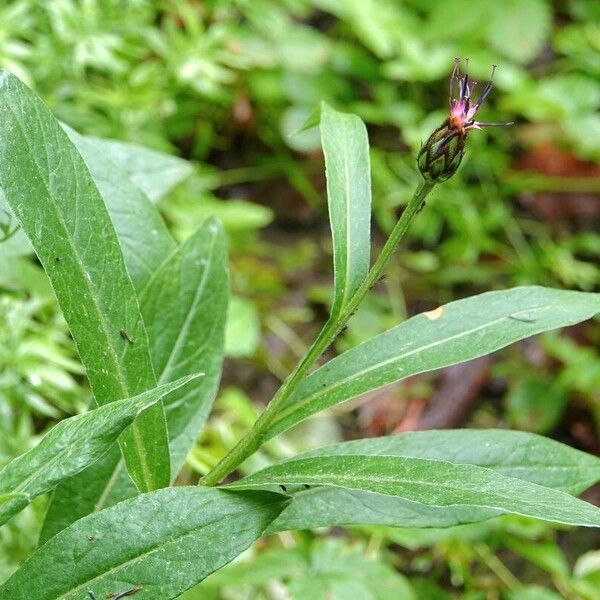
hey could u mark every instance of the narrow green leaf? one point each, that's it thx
(184, 307)
(516, 454)
(143, 235)
(453, 333)
(431, 483)
(73, 444)
(155, 173)
(346, 149)
(52, 194)
(163, 542)
(513, 454)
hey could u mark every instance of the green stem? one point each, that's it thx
(252, 441)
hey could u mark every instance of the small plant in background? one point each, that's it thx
(148, 318)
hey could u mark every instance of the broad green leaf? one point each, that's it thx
(155, 173)
(428, 482)
(73, 444)
(50, 191)
(184, 307)
(346, 149)
(453, 333)
(164, 542)
(143, 235)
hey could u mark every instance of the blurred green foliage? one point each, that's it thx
(226, 83)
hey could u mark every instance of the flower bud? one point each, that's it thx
(440, 156)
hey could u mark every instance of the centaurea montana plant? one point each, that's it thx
(438, 160)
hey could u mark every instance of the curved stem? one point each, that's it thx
(256, 436)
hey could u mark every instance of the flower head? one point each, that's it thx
(441, 155)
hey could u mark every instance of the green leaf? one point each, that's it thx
(52, 194)
(513, 454)
(184, 307)
(155, 173)
(143, 235)
(346, 149)
(427, 482)
(165, 541)
(72, 445)
(453, 333)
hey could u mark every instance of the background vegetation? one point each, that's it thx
(225, 83)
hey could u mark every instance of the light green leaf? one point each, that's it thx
(453, 333)
(155, 173)
(427, 482)
(184, 307)
(143, 235)
(72, 445)
(52, 194)
(164, 542)
(346, 149)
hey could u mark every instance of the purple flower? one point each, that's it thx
(441, 155)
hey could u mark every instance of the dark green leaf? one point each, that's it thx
(164, 541)
(346, 149)
(427, 482)
(52, 194)
(453, 333)
(72, 445)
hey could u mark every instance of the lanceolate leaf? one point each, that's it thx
(456, 332)
(431, 483)
(162, 543)
(346, 149)
(143, 235)
(72, 445)
(184, 307)
(516, 454)
(144, 238)
(51, 192)
(510, 453)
